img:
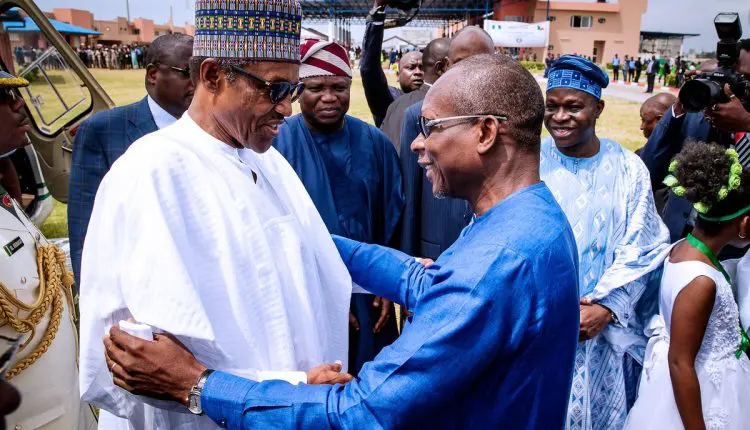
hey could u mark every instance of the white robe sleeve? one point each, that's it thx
(138, 261)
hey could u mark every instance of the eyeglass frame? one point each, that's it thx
(185, 72)
(298, 87)
(426, 125)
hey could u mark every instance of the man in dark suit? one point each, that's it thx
(431, 224)
(378, 93)
(724, 123)
(651, 70)
(105, 136)
(435, 63)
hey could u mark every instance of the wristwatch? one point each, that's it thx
(194, 396)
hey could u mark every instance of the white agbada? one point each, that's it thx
(183, 239)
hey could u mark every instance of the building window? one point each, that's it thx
(578, 21)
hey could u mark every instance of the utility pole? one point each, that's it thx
(548, 10)
(127, 10)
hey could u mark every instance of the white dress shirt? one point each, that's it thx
(162, 118)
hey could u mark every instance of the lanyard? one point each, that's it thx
(705, 250)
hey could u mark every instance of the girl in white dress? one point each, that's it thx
(696, 373)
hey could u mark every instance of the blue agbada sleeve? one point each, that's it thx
(383, 271)
(465, 323)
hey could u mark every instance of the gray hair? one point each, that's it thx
(493, 84)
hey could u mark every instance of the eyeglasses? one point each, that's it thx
(8, 95)
(185, 72)
(279, 90)
(426, 125)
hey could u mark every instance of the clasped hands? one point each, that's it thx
(165, 369)
(594, 319)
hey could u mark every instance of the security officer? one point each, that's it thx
(36, 301)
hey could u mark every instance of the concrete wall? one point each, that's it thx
(619, 31)
(617, 25)
(506, 10)
(81, 18)
(145, 29)
(117, 31)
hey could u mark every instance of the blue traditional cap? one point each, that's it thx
(577, 73)
(262, 30)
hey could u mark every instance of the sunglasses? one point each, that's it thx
(8, 95)
(279, 90)
(426, 125)
(185, 72)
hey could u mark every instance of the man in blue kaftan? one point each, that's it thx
(605, 192)
(493, 337)
(352, 174)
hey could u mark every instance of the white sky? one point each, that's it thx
(685, 16)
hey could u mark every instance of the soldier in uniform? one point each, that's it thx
(36, 302)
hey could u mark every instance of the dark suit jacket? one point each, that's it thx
(429, 225)
(665, 143)
(394, 117)
(378, 93)
(100, 141)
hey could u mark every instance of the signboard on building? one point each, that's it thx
(510, 34)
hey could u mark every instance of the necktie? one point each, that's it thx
(742, 146)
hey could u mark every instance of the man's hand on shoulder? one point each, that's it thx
(328, 374)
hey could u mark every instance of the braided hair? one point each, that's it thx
(710, 177)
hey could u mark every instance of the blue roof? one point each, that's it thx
(29, 26)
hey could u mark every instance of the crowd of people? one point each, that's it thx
(114, 57)
(243, 264)
(26, 55)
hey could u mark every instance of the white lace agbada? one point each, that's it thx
(183, 239)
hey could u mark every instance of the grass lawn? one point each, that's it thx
(620, 122)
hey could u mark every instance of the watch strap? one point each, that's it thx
(204, 377)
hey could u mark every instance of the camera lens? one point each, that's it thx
(699, 94)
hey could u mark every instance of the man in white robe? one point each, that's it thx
(204, 231)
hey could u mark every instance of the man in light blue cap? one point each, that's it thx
(605, 193)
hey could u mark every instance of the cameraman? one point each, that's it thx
(724, 123)
(378, 93)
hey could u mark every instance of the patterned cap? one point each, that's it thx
(577, 73)
(323, 59)
(263, 30)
